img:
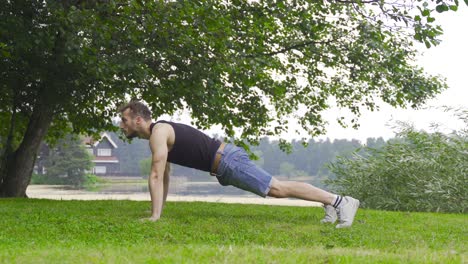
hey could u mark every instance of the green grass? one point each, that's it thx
(45, 231)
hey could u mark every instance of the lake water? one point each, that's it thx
(176, 188)
(179, 191)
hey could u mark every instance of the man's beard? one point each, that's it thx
(132, 135)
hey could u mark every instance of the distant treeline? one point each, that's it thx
(302, 161)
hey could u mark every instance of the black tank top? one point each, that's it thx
(192, 148)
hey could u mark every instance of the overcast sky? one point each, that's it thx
(449, 59)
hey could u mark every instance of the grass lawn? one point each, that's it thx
(47, 231)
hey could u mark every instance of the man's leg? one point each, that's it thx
(346, 207)
(238, 170)
(300, 190)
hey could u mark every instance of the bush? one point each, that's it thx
(88, 180)
(91, 179)
(145, 167)
(48, 180)
(417, 171)
(91, 182)
(38, 179)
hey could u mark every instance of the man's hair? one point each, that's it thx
(137, 108)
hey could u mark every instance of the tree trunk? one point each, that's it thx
(20, 164)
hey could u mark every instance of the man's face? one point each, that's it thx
(128, 124)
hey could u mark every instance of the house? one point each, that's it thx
(105, 159)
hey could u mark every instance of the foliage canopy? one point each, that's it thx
(237, 63)
(67, 65)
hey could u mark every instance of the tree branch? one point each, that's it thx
(297, 46)
(357, 1)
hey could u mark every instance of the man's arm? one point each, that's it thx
(158, 145)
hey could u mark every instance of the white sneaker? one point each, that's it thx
(330, 214)
(346, 211)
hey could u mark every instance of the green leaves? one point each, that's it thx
(67, 162)
(239, 65)
(442, 8)
(418, 171)
(4, 49)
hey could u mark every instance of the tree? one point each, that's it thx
(287, 169)
(67, 162)
(130, 154)
(66, 65)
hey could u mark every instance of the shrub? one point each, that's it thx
(38, 179)
(91, 179)
(417, 171)
(145, 167)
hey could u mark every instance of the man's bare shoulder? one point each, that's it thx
(163, 128)
(163, 132)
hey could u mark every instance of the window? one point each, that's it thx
(104, 152)
(100, 169)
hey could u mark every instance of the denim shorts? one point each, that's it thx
(236, 169)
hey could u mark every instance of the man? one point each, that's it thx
(187, 146)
